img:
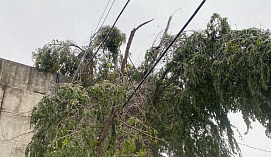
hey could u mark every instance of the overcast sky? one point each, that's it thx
(26, 25)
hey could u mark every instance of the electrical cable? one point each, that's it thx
(107, 15)
(102, 15)
(91, 38)
(268, 151)
(107, 35)
(161, 56)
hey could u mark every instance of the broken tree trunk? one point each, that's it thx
(126, 53)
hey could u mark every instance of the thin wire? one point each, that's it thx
(268, 151)
(103, 20)
(102, 15)
(107, 35)
(161, 56)
(107, 13)
(91, 38)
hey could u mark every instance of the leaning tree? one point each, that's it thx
(182, 109)
(208, 75)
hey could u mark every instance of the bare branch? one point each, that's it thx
(165, 32)
(140, 131)
(132, 34)
(144, 24)
(104, 129)
(69, 44)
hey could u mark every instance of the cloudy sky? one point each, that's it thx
(26, 25)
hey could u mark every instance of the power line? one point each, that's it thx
(268, 151)
(102, 15)
(95, 32)
(91, 38)
(107, 35)
(107, 13)
(161, 56)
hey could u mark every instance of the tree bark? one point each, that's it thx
(104, 129)
(132, 34)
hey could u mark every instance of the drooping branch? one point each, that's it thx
(140, 131)
(67, 44)
(132, 34)
(103, 131)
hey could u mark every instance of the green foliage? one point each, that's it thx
(57, 56)
(69, 122)
(108, 60)
(206, 75)
(63, 124)
(115, 39)
(65, 56)
(212, 73)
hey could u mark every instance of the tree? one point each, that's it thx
(108, 60)
(182, 109)
(68, 124)
(65, 56)
(210, 74)
(58, 56)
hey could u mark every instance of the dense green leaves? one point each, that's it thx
(57, 56)
(109, 59)
(181, 110)
(64, 57)
(63, 123)
(212, 73)
(114, 40)
(69, 123)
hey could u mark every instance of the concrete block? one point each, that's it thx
(23, 86)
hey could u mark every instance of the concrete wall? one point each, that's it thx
(21, 88)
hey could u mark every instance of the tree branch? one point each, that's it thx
(132, 34)
(103, 131)
(165, 33)
(140, 131)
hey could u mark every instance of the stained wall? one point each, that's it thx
(21, 88)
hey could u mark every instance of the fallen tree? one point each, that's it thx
(182, 109)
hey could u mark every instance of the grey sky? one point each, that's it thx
(29, 24)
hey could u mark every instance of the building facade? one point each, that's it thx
(21, 88)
